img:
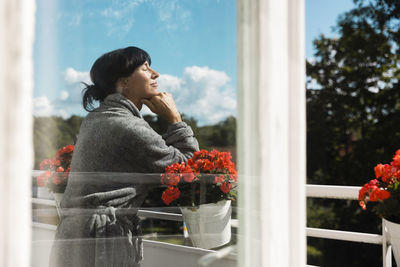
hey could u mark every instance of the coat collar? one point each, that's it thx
(118, 99)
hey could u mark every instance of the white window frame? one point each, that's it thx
(17, 19)
(271, 133)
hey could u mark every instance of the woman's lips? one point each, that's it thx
(154, 84)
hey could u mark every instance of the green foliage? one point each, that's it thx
(388, 207)
(352, 118)
(222, 134)
(320, 214)
(53, 133)
(313, 254)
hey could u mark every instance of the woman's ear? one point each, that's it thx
(121, 84)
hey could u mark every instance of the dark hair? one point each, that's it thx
(106, 71)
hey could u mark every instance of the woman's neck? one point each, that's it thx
(135, 101)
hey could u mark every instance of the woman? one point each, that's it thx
(114, 150)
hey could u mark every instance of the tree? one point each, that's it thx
(222, 134)
(352, 117)
(52, 133)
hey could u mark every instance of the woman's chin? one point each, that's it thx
(153, 93)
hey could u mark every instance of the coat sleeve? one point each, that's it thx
(157, 152)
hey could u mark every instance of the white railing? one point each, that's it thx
(313, 191)
(205, 260)
(347, 193)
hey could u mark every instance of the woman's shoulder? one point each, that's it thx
(113, 117)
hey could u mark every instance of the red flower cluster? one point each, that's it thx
(213, 162)
(57, 170)
(170, 194)
(199, 168)
(379, 189)
(175, 172)
(373, 192)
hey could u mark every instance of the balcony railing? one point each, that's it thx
(347, 193)
(227, 255)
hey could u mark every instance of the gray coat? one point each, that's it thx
(117, 158)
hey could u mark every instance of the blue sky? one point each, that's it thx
(321, 16)
(192, 44)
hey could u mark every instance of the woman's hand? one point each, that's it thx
(164, 105)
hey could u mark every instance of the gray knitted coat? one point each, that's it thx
(117, 158)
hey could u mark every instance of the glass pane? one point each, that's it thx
(115, 195)
(352, 103)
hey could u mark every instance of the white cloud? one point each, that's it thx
(203, 93)
(69, 101)
(64, 95)
(172, 15)
(72, 76)
(42, 106)
(206, 75)
(111, 13)
(118, 16)
(171, 82)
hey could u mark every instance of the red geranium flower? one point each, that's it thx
(373, 196)
(42, 178)
(64, 151)
(58, 168)
(218, 185)
(225, 187)
(378, 170)
(204, 165)
(396, 159)
(219, 179)
(387, 172)
(170, 179)
(188, 174)
(170, 194)
(47, 164)
(57, 179)
(383, 194)
(381, 189)
(202, 154)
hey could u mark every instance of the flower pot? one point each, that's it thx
(43, 193)
(392, 232)
(209, 225)
(58, 198)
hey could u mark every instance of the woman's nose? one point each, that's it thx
(155, 74)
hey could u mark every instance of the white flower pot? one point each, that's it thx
(58, 197)
(43, 193)
(209, 226)
(392, 232)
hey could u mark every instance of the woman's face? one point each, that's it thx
(141, 84)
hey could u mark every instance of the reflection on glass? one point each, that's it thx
(140, 115)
